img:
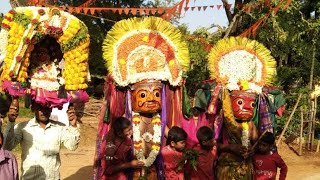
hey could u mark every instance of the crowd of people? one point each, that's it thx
(264, 159)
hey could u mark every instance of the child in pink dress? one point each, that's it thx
(172, 153)
(267, 162)
(118, 150)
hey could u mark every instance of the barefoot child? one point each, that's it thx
(172, 153)
(207, 155)
(119, 147)
(266, 162)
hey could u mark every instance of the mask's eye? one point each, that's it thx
(142, 95)
(240, 102)
(157, 94)
(252, 104)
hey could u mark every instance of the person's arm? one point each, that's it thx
(111, 168)
(283, 167)
(12, 134)
(71, 135)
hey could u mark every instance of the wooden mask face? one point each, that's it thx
(146, 96)
(243, 104)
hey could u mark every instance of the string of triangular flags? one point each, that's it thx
(167, 12)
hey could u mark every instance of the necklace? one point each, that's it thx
(154, 139)
(147, 123)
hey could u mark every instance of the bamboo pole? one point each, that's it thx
(313, 122)
(310, 125)
(301, 131)
(288, 121)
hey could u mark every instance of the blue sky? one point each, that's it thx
(194, 19)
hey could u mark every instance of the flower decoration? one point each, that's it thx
(34, 21)
(18, 58)
(137, 139)
(241, 63)
(41, 12)
(145, 48)
(23, 27)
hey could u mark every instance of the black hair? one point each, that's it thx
(5, 101)
(119, 124)
(1, 135)
(268, 138)
(176, 134)
(204, 134)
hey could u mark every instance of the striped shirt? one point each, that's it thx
(40, 147)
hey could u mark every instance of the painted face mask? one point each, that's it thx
(243, 104)
(146, 96)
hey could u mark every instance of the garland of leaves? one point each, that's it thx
(22, 19)
(76, 39)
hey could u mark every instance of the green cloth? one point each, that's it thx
(203, 95)
(186, 106)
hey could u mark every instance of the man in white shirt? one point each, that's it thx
(40, 139)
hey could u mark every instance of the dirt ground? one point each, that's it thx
(77, 165)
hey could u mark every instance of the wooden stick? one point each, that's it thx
(289, 119)
(313, 122)
(256, 143)
(301, 131)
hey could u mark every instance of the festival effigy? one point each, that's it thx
(242, 102)
(44, 52)
(146, 60)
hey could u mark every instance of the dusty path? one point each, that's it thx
(305, 167)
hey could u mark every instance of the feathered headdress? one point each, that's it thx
(241, 64)
(145, 48)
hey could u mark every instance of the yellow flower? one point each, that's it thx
(28, 13)
(145, 39)
(244, 84)
(245, 125)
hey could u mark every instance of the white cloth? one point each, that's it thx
(60, 115)
(40, 147)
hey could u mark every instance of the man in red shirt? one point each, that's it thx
(266, 162)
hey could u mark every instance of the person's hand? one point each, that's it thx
(238, 149)
(72, 115)
(13, 113)
(136, 164)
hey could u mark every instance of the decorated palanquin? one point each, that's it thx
(241, 101)
(44, 52)
(147, 60)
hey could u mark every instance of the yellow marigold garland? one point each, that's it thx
(16, 63)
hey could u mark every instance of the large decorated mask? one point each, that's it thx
(243, 104)
(146, 96)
